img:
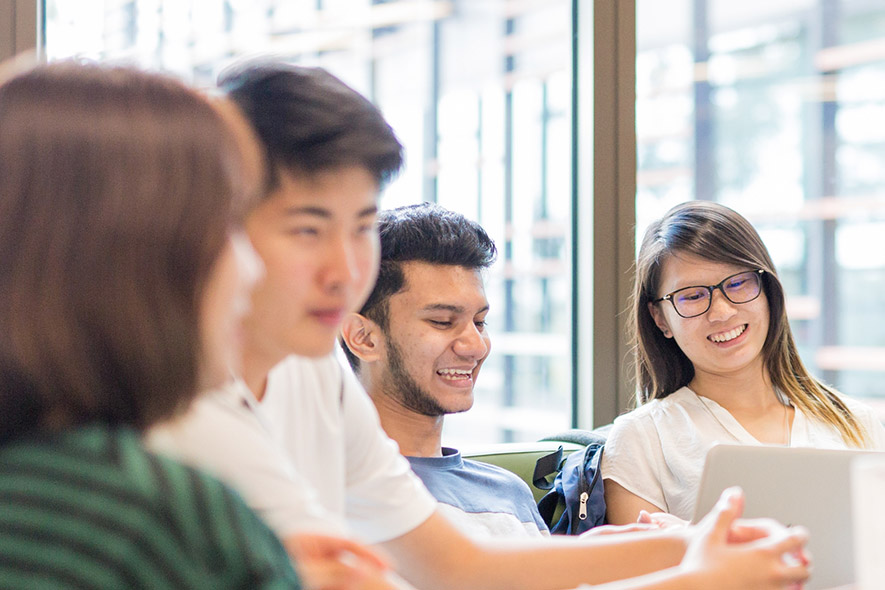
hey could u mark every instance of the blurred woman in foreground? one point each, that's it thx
(120, 283)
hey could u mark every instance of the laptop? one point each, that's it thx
(796, 486)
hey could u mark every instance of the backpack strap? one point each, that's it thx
(544, 466)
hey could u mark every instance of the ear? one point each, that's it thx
(362, 336)
(660, 319)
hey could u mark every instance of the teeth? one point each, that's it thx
(730, 335)
(454, 373)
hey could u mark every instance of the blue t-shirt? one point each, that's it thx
(482, 500)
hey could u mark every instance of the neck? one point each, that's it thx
(745, 392)
(256, 366)
(752, 401)
(416, 434)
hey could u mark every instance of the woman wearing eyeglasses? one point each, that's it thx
(715, 363)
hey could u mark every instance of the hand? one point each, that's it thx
(730, 555)
(661, 520)
(615, 529)
(333, 563)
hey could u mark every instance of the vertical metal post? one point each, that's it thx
(604, 203)
(509, 360)
(431, 125)
(821, 265)
(704, 125)
(21, 27)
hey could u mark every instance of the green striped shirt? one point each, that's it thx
(90, 508)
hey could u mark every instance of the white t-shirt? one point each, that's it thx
(310, 456)
(657, 451)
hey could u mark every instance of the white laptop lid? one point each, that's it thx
(811, 487)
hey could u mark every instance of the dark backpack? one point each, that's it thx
(577, 487)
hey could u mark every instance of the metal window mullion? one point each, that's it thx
(20, 27)
(604, 201)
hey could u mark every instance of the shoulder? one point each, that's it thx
(166, 520)
(854, 405)
(294, 369)
(218, 420)
(133, 483)
(210, 522)
(655, 410)
(867, 416)
(494, 472)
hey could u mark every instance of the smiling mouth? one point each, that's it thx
(728, 336)
(455, 374)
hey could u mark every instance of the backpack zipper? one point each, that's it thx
(582, 511)
(588, 488)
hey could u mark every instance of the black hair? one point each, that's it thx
(422, 233)
(309, 121)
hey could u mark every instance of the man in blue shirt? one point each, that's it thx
(417, 346)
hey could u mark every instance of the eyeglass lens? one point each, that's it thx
(740, 288)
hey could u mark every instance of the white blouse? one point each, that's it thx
(657, 451)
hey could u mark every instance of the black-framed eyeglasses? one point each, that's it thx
(690, 302)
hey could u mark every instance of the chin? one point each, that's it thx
(315, 349)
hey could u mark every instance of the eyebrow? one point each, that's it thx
(449, 307)
(325, 213)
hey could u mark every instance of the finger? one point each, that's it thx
(744, 531)
(610, 529)
(724, 514)
(793, 574)
(367, 555)
(331, 546)
(644, 517)
(667, 521)
(327, 575)
(793, 542)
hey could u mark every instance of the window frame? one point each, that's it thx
(603, 192)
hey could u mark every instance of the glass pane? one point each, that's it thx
(772, 109)
(479, 91)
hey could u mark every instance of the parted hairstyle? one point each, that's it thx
(421, 233)
(117, 191)
(310, 122)
(716, 233)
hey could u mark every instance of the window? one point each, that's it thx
(480, 93)
(776, 109)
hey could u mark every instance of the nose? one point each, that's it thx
(341, 268)
(472, 343)
(720, 307)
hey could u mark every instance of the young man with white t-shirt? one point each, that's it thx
(301, 440)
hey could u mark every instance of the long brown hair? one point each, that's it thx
(117, 190)
(714, 232)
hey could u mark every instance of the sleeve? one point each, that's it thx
(233, 445)
(870, 421)
(633, 458)
(257, 558)
(385, 499)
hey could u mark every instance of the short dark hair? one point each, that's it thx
(421, 233)
(310, 121)
(116, 191)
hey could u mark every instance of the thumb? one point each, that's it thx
(727, 510)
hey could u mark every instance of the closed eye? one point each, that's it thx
(694, 295)
(303, 231)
